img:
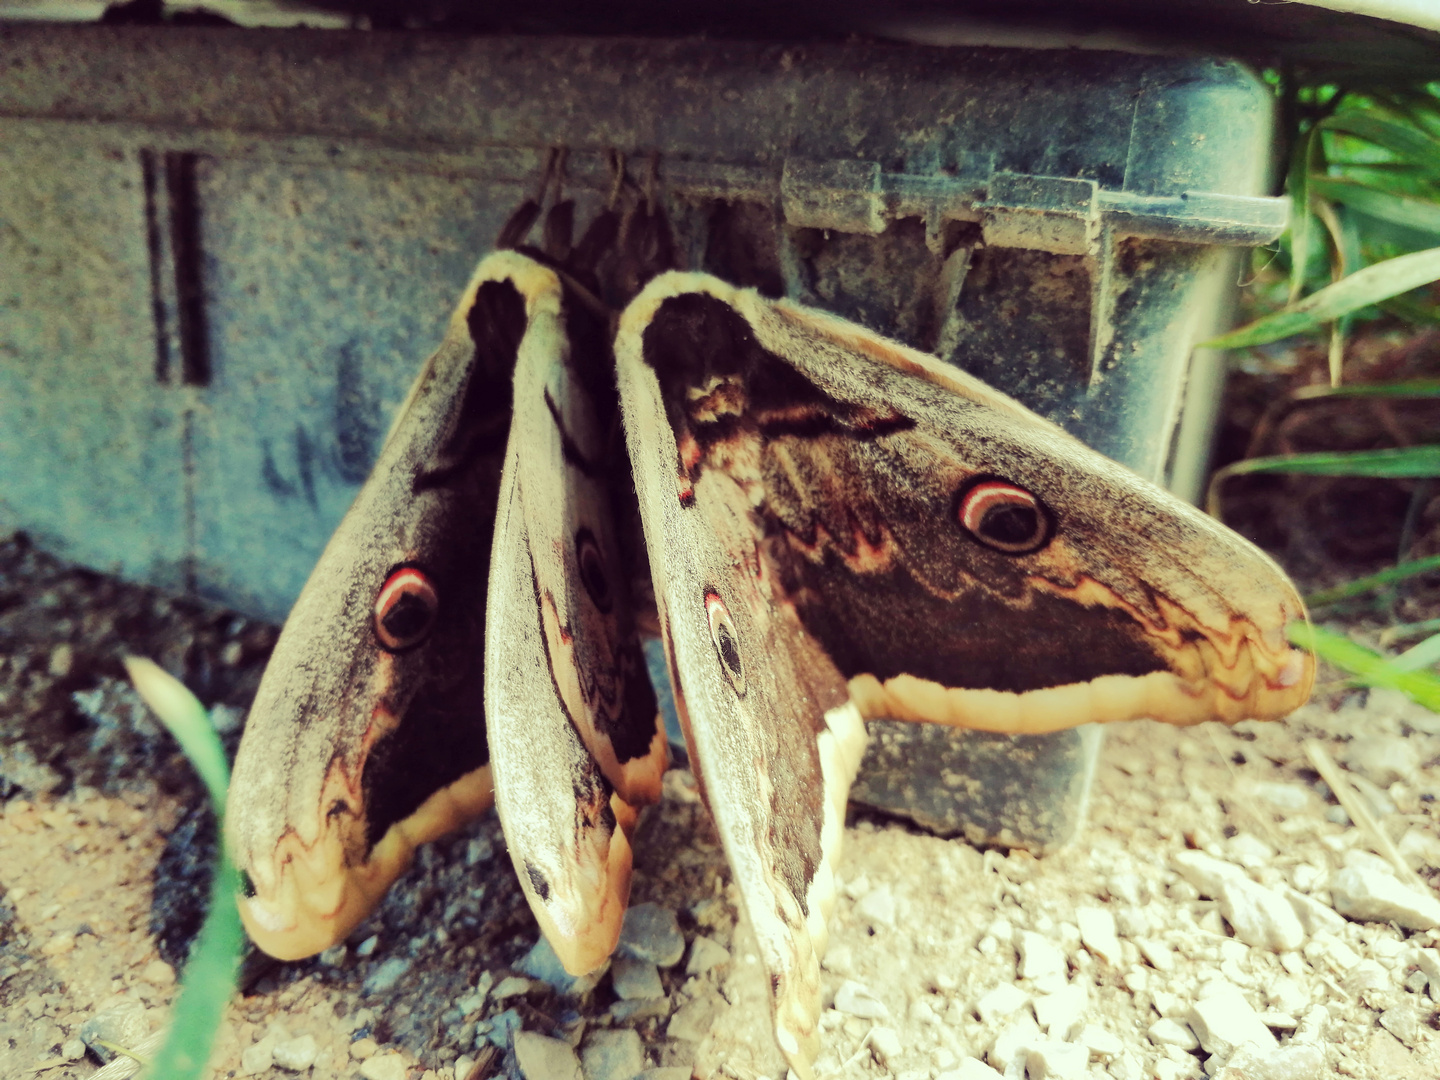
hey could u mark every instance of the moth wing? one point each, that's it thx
(772, 736)
(572, 721)
(556, 806)
(564, 473)
(356, 751)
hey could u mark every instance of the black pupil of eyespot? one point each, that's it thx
(407, 617)
(729, 651)
(1012, 523)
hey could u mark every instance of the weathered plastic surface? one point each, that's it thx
(223, 254)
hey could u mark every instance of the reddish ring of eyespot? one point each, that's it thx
(726, 639)
(1003, 516)
(405, 609)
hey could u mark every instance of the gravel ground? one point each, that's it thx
(1220, 914)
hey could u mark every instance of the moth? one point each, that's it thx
(838, 528)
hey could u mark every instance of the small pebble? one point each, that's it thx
(877, 908)
(383, 979)
(651, 932)
(706, 953)
(368, 946)
(1039, 956)
(1291, 797)
(1369, 895)
(58, 945)
(693, 1021)
(541, 964)
(296, 1054)
(1097, 932)
(1206, 872)
(1293, 1061)
(635, 980)
(886, 1045)
(1012, 1044)
(1165, 1032)
(334, 956)
(364, 1048)
(503, 1027)
(1001, 1002)
(543, 1058)
(1156, 953)
(1058, 1060)
(389, 1066)
(1059, 1013)
(970, 1069)
(1382, 759)
(612, 1055)
(1260, 917)
(257, 1058)
(72, 1049)
(511, 986)
(857, 1000)
(1101, 1044)
(158, 973)
(124, 1025)
(1225, 1020)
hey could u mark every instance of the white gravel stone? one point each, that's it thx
(1157, 954)
(392, 1067)
(1040, 956)
(1368, 895)
(1165, 1032)
(543, 1058)
(1052, 1058)
(296, 1055)
(995, 1005)
(1260, 917)
(1206, 872)
(877, 908)
(1330, 950)
(1293, 1061)
(1101, 1044)
(858, 1000)
(705, 953)
(1059, 1013)
(1314, 916)
(1429, 962)
(1249, 851)
(970, 1069)
(1097, 932)
(885, 1044)
(257, 1058)
(1225, 1021)
(1012, 1044)
(1291, 797)
(1383, 759)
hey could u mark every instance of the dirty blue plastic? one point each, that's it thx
(212, 301)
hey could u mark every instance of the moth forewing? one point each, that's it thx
(772, 735)
(555, 804)
(356, 750)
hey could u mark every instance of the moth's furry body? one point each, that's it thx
(838, 528)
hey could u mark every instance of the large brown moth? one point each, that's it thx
(838, 528)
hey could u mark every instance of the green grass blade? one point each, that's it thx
(1391, 463)
(209, 978)
(1405, 140)
(1366, 666)
(1409, 389)
(185, 718)
(1414, 214)
(1418, 656)
(1371, 582)
(1360, 289)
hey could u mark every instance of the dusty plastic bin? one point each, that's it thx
(224, 253)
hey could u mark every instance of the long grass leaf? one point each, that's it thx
(1371, 582)
(1361, 289)
(1417, 215)
(1365, 666)
(1391, 463)
(1422, 655)
(1410, 388)
(209, 978)
(1404, 139)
